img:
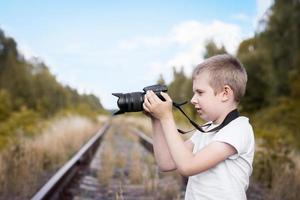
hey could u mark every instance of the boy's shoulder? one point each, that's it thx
(239, 124)
(239, 127)
(243, 121)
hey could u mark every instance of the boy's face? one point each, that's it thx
(207, 103)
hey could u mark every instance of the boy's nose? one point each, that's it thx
(193, 100)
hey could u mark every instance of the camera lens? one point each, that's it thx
(131, 102)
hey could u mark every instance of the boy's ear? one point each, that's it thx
(226, 93)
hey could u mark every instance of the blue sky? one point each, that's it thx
(102, 47)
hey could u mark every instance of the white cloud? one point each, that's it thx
(261, 7)
(187, 32)
(187, 59)
(190, 37)
(195, 35)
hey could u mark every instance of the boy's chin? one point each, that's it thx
(205, 118)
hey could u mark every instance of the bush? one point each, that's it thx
(23, 123)
(5, 105)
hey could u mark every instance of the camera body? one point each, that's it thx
(157, 89)
(133, 102)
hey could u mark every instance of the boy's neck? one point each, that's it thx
(221, 118)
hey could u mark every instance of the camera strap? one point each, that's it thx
(230, 117)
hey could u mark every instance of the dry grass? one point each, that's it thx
(28, 162)
(171, 191)
(151, 180)
(106, 171)
(102, 118)
(276, 172)
(120, 160)
(141, 122)
(119, 194)
(150, 175)
(285, 185)
(135, 171)
(285, 182)
(2, 175)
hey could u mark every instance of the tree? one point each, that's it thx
(282, 44)
(161, 80)
(259, 80)
(178, 88)
(212, 49)
(5, 105)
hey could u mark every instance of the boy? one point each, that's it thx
(218, 163)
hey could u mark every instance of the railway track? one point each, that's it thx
(55, 187)
(97, 172)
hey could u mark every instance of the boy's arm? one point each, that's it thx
(186, 162)
(161, 150)
(162, 154)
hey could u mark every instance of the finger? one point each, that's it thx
(166, 96)
(146, 109)
(147, 102)
(148, 97)
(152, 97)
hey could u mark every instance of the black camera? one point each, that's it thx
(133, 102)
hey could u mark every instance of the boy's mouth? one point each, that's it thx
(199, 110)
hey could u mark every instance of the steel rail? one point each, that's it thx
(145, 140)
(56, 185)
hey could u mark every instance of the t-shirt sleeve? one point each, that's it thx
(193, 138)
(236, 135)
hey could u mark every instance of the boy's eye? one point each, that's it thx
(198, 92)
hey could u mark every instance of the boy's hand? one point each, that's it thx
(156, 107)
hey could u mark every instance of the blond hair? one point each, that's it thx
(224, 70)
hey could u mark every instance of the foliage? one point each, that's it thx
(29, 94)
(272, 60)
(161, 80)
(22, 123)
(212, 49)
(5, 104)
(258, 76)
(281, 41)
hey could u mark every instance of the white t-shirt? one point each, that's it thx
(229, 179)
